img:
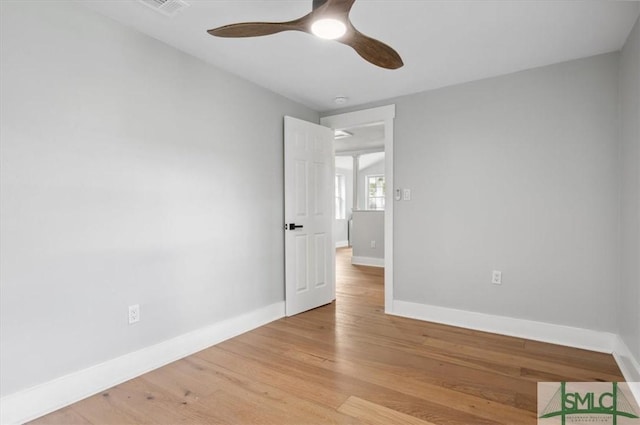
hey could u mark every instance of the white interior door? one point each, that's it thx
(308, 210)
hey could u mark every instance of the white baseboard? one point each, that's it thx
(629, 366)
(342, 244)
(367, 261)
(37, 401)
(539, 331)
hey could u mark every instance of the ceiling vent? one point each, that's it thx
(166, 7)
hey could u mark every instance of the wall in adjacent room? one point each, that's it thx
(132, 173)
(367, 235)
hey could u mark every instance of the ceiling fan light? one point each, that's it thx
(328, 28)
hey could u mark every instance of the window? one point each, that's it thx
(375, 192)
(341, 205)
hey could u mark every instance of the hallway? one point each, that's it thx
(357, 286)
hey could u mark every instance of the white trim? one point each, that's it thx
(359, 151)
(341, 178)
(342, 244)
(386, 115)
(539, 331)
(629, 366)
(367, 261)
(37, 401)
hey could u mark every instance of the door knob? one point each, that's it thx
(293, 226)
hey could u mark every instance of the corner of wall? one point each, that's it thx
(627, 352)
(629, 366)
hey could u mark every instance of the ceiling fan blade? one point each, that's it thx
(372, 50)
(257, 29)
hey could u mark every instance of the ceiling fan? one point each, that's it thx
(329, 19)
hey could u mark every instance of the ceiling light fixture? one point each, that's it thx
(328, 28)
(340, 100)
(341, 134)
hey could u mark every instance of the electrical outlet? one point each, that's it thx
(496, 277)
(134, 313)
(373, 244)
(406, 194)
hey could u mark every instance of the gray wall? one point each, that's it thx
(131, 173)
(517, 173)
(368, 226)
(629, 311)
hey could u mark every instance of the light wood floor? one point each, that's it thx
(347, 363)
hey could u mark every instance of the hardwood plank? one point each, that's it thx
(577, 371)
(439, 372)
(533, 349)
(374, 414)
(302, 382)
(66, 416)
(382, 394)
(399, 379)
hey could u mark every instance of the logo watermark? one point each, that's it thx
(565, 403)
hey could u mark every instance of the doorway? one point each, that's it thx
(360, 198)
(381, 116)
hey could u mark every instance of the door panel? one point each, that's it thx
(301, 258)
(301, 184)
(320, 269)
(309, 247)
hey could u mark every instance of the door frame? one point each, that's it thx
(385, 115)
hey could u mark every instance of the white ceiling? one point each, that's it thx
(441, 42)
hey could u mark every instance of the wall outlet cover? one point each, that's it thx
(496, 277)
(134, 313)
